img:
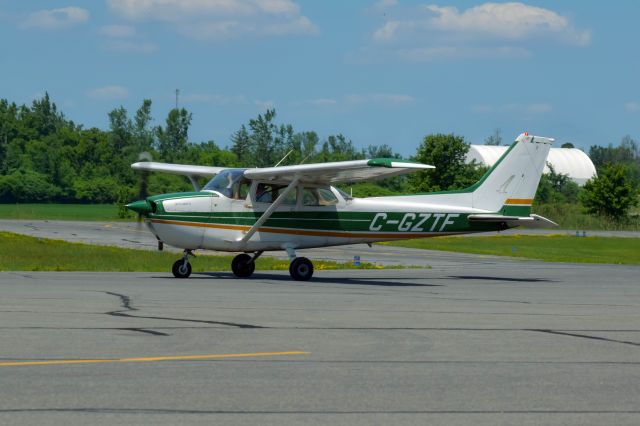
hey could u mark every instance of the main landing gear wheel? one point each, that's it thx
(181, 269)
(243, 265)
(301, 269)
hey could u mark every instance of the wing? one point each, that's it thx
(178, 169)
(192, 172)
(337, 172)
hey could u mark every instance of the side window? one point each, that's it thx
(318, 197)
(268, 193)
(326, 197)
(241, 189)
(309, 197)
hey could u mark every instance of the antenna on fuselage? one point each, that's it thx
(304, 159)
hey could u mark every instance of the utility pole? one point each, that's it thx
(177, 95)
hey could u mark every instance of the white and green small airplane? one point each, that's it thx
(295, 207)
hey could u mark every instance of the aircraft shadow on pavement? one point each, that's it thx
(508, 279)
(386, 282)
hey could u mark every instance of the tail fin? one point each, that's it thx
(510, 185)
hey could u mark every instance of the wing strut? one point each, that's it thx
(269, 211)
(194, 182)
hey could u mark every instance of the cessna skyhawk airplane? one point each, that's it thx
(295, 207)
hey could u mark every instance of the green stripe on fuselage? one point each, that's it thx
(387, 222)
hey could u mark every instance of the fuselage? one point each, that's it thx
(309, 217)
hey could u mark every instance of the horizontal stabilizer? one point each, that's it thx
(532, 221)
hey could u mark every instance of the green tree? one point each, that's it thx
(556, 188)
(241, 145)
(381, 151)
(339, 148)
(610, 194)
(447, 152)
(26, 187)
(143, 133)
(173, 138)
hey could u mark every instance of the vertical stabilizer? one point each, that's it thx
(510, 185)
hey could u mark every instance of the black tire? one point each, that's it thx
(301, 269)
(180, 270)
(242, 266)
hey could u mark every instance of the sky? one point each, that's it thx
(377, 71)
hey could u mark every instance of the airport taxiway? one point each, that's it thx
(485, 343)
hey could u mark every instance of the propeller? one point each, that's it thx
(142, 207)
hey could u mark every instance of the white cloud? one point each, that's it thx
(55, 19)
(632, 106)
(489, 30)
(507, 21)
(118, 31)
(108, 93)
(220, 19)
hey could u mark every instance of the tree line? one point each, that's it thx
(45, 157)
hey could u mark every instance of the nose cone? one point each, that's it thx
(140, 207)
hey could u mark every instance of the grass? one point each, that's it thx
(573, 216)
(24, 253)
(551, 248)
(104, 212)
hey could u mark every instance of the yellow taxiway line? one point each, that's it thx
(148, 359)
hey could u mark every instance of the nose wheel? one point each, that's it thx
(182, 268)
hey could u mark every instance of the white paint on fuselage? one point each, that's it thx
(202, 236)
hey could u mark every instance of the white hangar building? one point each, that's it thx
(567, 161)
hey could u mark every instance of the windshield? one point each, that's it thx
(230, 183)
(346, 196)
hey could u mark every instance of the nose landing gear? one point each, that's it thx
(182, 268)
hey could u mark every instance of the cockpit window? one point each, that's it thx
(346, 196)
(230, 183)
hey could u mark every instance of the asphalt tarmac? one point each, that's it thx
(489, 342)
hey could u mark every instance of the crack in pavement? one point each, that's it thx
(147, 411)
(586, 336)
(126, 304)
